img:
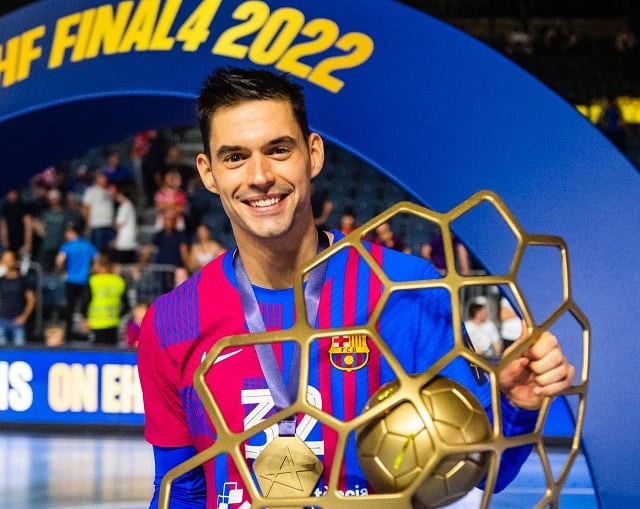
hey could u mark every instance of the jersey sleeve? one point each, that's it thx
(188, 491)
(165, 422)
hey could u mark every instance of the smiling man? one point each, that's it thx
(260, 157)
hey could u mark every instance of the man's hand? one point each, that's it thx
(541, 370)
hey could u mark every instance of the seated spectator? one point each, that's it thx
(483, 333)
(17, 300)
(204, 249)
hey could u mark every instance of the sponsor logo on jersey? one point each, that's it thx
(349, 352)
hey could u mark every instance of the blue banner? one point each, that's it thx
(70, 387)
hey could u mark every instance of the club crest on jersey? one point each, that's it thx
(349, 352)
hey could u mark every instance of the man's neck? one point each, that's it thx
(273, 264)
(12, 273)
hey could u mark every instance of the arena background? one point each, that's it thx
(439, 113)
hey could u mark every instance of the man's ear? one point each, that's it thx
(206, 173)
(316, 154)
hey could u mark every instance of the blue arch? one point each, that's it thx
(440, 113)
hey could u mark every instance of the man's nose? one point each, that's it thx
(261, 171)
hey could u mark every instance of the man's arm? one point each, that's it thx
(60, 259)
(189, 491)
(30, 300)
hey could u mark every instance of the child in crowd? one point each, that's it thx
(133, 325)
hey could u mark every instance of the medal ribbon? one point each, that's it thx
(283, 395)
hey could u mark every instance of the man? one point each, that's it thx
(17, 300)
(98, 207)
(76, 256)
(125, 243)
(50, 226)
(482, 330)
(259, 157)
(105, 303)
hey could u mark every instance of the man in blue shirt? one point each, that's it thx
(76, 256)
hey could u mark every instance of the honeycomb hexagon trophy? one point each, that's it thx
(230, 443)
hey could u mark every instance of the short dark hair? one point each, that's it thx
(231, 86)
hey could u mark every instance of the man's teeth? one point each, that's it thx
(265, 202)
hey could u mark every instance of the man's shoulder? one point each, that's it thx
(397, 264)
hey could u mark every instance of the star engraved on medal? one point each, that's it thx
(288, 475)
(287, 468)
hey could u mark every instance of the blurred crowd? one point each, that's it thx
(78, 263)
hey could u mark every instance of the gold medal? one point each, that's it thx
(287, 468)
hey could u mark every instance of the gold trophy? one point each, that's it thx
(474, 457)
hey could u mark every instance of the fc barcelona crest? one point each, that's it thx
(349, 352)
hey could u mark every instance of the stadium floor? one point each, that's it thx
(39, 471)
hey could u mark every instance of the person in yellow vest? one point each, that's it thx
(107, 302)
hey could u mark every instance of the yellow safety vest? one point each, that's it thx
(106, 300)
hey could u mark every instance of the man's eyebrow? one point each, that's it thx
(227, 149)
(282, 139)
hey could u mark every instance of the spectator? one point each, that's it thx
(139, 149)
(204, 249)
(434, 252)
(482, 331)
(180, 275)
(17, 301)
(510, 323)
(321, 206)
(133, 324)
(106, 302)
(50, 226)
(115, 172)
(98, 209)
(16, 228)
(202, 208)
(125, 244)
(76, 256)
(384, 236)
(79, 181)
(175, 161)
(612, 123)
(625, 39)
(153, 163)
(348, 220)
(171, 200)
(169, 247)
(519, 42)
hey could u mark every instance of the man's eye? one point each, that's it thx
(280, 151)
(233, 158)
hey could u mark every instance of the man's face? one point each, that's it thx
(8, 260)
(261, 166)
